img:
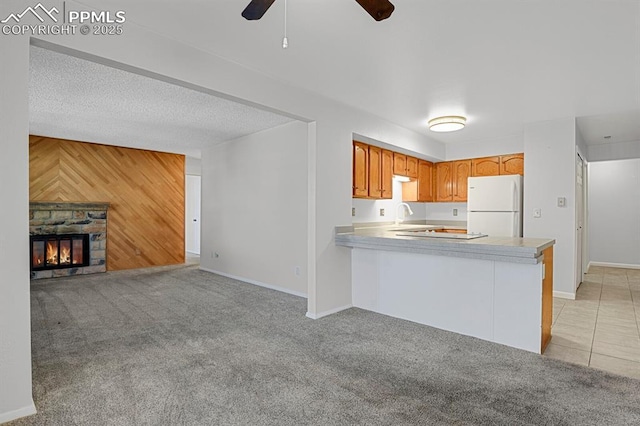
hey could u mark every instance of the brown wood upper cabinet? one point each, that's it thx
(461, 173)
(412, 167)
(512, 164)
(451, 180)
(487, 166)
(399, 164)
(405, 165)
(380, 172)
(372, 171)
(360, 170)
(421, 189)
(443, 183)
(374, 167)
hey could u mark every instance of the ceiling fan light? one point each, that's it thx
(448, 123)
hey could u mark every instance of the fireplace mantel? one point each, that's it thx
(63, 205)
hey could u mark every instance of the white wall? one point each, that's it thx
(151, 54)
(444, 211)
(485, 148)
(549, 163)
(193, 195)
(613, 151)
(254, 207)
(614, 203)
(581, 145)
(582, 149)
(15, 320)
(369, 210)
(192, 166)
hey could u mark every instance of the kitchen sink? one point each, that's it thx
(428, 234)
(427, 229)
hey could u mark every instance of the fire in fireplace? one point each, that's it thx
(59, 251)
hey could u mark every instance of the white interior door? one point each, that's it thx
(579, 218)
(193, 214)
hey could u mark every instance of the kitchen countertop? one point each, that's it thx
(503, 249)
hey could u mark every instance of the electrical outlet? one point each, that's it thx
(296, 271)
(455, 212)
(381, 212)
(537, 213)
(353, 211)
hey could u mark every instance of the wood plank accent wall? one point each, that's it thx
(145, 188)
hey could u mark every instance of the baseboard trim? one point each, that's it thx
(16, 414)
(615, 265)
(564, 295)
(258, 283)
(329, 312)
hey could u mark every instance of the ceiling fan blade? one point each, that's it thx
(378, 9)
(256, 9)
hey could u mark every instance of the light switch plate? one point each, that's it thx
(455, 212)
(537, 213)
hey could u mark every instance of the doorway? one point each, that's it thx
(192, 243)
(579, 220)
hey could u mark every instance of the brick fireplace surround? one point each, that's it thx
(60, 218)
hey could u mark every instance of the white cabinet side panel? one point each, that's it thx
(518, 305)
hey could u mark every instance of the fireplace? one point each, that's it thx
(59, 251)
(67, 238)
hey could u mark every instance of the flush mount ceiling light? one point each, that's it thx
(449, 123)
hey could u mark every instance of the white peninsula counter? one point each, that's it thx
(496, 289)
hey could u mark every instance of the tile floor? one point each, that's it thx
(600, 329)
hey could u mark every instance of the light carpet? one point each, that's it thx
(179, 346)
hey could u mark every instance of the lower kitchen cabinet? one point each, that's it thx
(452, 230)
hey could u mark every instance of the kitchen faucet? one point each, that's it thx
(405, 208)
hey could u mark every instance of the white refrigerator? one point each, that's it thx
(494, 205)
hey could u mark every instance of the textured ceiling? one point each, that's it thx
(621, 127)
(502, 63)
(71, 98)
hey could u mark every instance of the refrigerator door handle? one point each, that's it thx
(514, 225)
(514, 194)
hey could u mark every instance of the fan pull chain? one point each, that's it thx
(285, 41)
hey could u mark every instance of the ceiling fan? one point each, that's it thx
(378, 9)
